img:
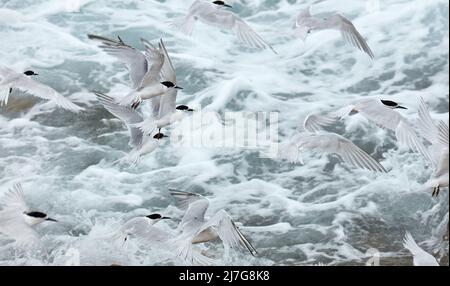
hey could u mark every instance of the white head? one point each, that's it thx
(34, 217)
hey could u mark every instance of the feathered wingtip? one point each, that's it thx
(183, 24)
(410, 244)
(147, 126)
(184, 250)
(290, 152)
(133, 158)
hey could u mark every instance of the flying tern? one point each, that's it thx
(196, 229)
(11, 80)
(437, 133)
(421, 257)
(309, 138)
(147, 78)
(143, 229)
(17, 220)
(306, 24)
(141, 143)
(383, 113)
(215, 13)
(164, 109)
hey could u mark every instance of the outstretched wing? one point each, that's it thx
(196, 206)
(43, 91)
(351, 34)
(128, 115)
(334, 143)
(134, 60)
(228, 232)
(421, 257)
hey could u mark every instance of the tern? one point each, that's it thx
(324, 142)
(381, 112)
(147, 79)
(141, 143)
(164, 109)
(421, 257)
(306, 24)
(196, 229)
(214, 14)
(17, 220)
(437, 133)
(11, 80)
(143, 228)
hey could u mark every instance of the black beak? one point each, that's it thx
(166, 217)
(51, 219)
(226, 5)
(401, 107)
(191, 110)
(177, 87)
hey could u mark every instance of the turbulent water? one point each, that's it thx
(322, 212)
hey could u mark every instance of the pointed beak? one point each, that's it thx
(226, 5)
(191, 110)
(51, 219)
(401, 107)
(177, 87)
(166, 217)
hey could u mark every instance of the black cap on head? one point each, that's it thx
(36, 214)
(157, 216)
(160, 136)
(392, 104)
(168, 84)
(182, 107)
(154, 216)
(389, 103)
(222, 3)
(30, 73)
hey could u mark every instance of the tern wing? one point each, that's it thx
(421, 257)
(434, 132)
(156, 58)
(350, 33)
(407, 136)
(128, 115)
(334, 143)
(13, 206)
(186, 24)
(168, 101)
(18, 230)
(228, 232)
(168, 70)
(428, 128)
(228, 20)
(303, 16)
(155, 103)
(196, 206)
(43, 91)
(443, 133)
(135, 61)
(13, 202)
(315, 122)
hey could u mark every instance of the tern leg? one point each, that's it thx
(436, 191)
(136, 103)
